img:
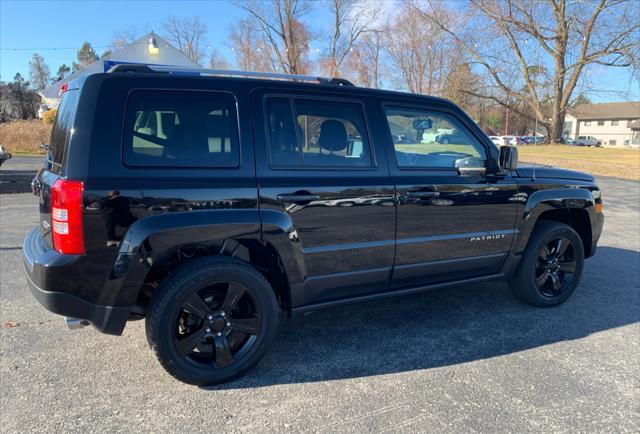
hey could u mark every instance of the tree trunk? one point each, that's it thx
(557, 125)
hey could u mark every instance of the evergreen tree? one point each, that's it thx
(62, 72)
(581, 99)
(86, 55)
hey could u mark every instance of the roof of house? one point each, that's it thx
(609, 110)
(136, 52)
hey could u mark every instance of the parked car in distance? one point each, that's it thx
(453, 137)
(4, 155)
(213, 206)
(587, 141)
(498, 140)
(514, 140)
(534, 140)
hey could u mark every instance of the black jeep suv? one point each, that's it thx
(211, 205)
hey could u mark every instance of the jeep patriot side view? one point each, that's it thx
(212, 203)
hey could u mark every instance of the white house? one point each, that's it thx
(149, 49)
(614, 124)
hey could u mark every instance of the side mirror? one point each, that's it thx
(422, 124)
(508, 158)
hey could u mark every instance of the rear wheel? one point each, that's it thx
(551, 266)
(211, 320)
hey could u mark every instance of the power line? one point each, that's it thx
(50, 49)
(63, 48)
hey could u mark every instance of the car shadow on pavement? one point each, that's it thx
(445, 327)
(16, 181)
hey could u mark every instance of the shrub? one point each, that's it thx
(24, 136)
(49, 116)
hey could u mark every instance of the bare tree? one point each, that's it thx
(365, 59)
(217, 60)
(420, 51)
(251, 51)
(552, 43)
(39, 72)
(124, 37)
(188, 35)
(352, 19)
(283, 30)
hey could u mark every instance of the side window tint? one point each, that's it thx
(433, 140)
(181, 129)
(323, 134)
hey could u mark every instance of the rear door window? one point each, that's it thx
(181, 129)
(317, 134)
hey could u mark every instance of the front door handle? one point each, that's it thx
(297, 197)
(423, 194)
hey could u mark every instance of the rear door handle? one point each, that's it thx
(423, 194)
(297, 198)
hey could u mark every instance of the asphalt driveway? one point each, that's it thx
(456, 360)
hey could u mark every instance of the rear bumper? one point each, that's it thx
(47, 271)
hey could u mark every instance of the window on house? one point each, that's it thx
(614, 123)
(612, 142)
(600, 123)
(587, 123)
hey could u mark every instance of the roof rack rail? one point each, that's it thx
(134, 68)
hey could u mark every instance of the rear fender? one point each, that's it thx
(152, 238)
(279, 231)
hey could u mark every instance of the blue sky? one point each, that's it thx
(40, 26)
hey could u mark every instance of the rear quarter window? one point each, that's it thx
(63, 128)
(181, 129)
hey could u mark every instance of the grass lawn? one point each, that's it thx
(617, 162)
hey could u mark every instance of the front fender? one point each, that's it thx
(542, 201)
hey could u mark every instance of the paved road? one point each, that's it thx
(457, 360)
(16, 174)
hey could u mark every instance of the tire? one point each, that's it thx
(533, 281)
(221, 308)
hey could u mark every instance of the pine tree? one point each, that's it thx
(62, 72)
(86, 55)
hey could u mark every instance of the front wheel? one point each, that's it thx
(211, 320)
(551, 266)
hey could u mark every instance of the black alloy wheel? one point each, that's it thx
(211, 320)
(556, 267)
(216, 325)
(550, 266)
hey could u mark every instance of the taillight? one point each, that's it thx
(66, 217)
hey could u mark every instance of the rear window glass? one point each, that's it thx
(181, 129)
(63, 127)
(317, 134)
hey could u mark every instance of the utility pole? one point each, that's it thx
(506, 123)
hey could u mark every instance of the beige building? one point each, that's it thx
(614, 124)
